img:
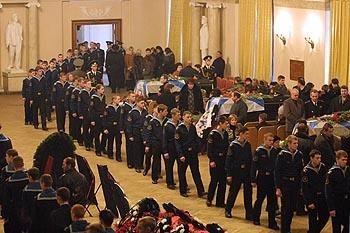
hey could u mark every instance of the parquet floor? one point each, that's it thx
(136, 186)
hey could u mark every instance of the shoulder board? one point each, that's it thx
(3, 138)
(260, 147)
(94, 95)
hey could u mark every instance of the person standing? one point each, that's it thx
(94, 74)
(58, 102)
(109, 49)
(219, 65)
(61, 216)
(263, 168)
(39, 98)
(191, 98)
(74, 110)
(26, 94)
(129, 69)
(325, 143)
(97, 114)
(238, 166)
(187, 148)
(293, 109)
(239, 108)
(338, 193)
(217, 150)
(314, 107)
(289, 165)
(115, 65)
(342, 102)
(313, 184)
(100, 57)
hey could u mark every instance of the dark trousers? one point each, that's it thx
(193, 163)
(319, 216)
(148, 160)
(71, 126)
(39, 105)
(87, 137)
(13, 226)
(169, 166)
(342, 217)
(138, 152)
(156, 149)
(289, 198)
(265, 188)
(96, 131)
(60, 117)
(49, 108)
(104, 141)
(114, 136)
(28, 112)
(247, 191)
(77, 122)
(129, 151)
(217, 180)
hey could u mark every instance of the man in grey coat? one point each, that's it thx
(239, 108)
(293, 108)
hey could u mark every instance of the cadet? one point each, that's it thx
(154, 140)
(97, 114)
(187, 148)
(135, 121)
(13, 205)
(58, 102)
(112, 128)
(237, 166)
(61, 216)
(74, 102)
(68, 62)
(94, 74)
(72, 82)
(26, 96)
(109, 48)
(169, 148)
(217, 150)
(83, 112)
(263, 168)
(126, 108)
(313, 187)
(39, 98)
(338, 193)
(289, 166)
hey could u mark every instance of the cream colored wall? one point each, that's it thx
(296, 23)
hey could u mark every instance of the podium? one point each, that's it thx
(12, 81)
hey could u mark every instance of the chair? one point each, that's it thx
(251, 124)
(281, 132)
(263, 130)
(253, 135)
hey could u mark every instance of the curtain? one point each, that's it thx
(186, 32)
(247, 18)
(264, 40)
(340, 39)
(176, 27)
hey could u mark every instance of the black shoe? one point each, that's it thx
(209, 204)
(171, 186)
(154, 182)
(98, 154)
(81, 144)
(203, 195)
(138, 170)
(45, 128)
(228, 214)
(274, 227)
(249, 218)
(36, 127)
(110, 156)
(256, 223)
(160, 177)
(130, 166)
(145, 172)
(104, 152)
(119, 159)
(220, 205)
(26, 123)
(88, 149)
(184, 194)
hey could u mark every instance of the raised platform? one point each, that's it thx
(12, 81)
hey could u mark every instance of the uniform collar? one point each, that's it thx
(219, 132)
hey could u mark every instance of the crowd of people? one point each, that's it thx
(309, 174)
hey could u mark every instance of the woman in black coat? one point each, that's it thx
(159, 57)
(184, 101)
(167, 98)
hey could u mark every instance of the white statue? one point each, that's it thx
(204, 37)
(14, 42)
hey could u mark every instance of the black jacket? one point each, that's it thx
(39, 88)
(154, 135)
(135, 122)
(312, 110)
(305, 145)
(198, 99)
(27, 88)
(59, 95)
(77, 227)
(313, 183)
(169, 138)
(240, 108)
(77, 185)
(113, 117)
(219, 67)
(97, 107)
(338, 106)
(239, 159)
(217, 147)
(264, 162)
(186, 140)
(126, 108)
(5, 144)
(326, 146)
(168, 99)
(84, 102)
(61, 218)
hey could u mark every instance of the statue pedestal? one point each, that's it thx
(12, 81)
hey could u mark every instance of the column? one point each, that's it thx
(214, 24)
(195, 27)
(33, 32)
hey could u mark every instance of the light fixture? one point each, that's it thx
(310, 42)
(282, 38)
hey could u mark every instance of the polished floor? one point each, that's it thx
(25, 139)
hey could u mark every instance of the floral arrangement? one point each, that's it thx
(337, 117)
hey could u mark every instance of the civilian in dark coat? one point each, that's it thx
(324, 142)
(115, 67)
(293, 108)
(159, 65)
(314, 107)
(193, 104)
(5, 144)
(342, 102)
(138, 65)
(219, 65)
(169, 61)
(167, 98)
(188, 71)
(305, 143)
(239, 108)
(61, 216)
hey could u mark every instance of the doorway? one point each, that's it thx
(98, 31)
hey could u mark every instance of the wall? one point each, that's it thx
(295, 24)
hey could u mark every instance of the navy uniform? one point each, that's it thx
(51, 77)
(97, 114)
(170, 149)
(338, 197)
(69, 91)
(77, 122)
(95, 77)
(87, 60)
(39, 98)
(26, 95)
(61, 218)
(217, 150)
(238, 166)
(45, 203)
(113, 125)
(126, 108)
(83, 112)
(288, 171)
(314, 109)
(68, 65)
(58, 100)
(29, 194)
(148, 154)
(262, 174)
(13, 206)
(134, 130)
(100, 59)
(154, 140)
(313, 187)
(187, 145)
